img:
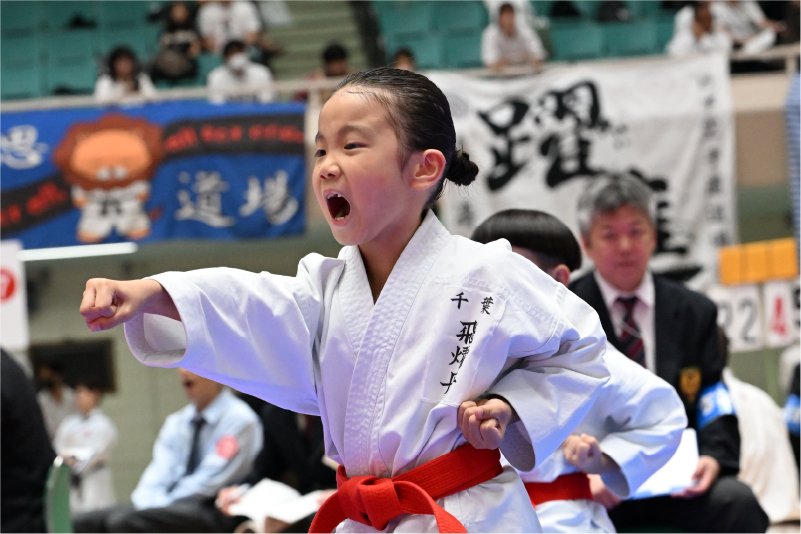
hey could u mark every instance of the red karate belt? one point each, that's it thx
(565, 488)
(376, 501)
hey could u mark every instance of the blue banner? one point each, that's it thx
(171, 170)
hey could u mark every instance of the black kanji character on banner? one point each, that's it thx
(501, 119)
(449, 384)
(485, 304)
(459, 356)
(459, 299)
(468, 331)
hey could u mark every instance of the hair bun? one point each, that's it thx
(462, 171)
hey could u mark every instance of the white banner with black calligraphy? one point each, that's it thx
(539, 139)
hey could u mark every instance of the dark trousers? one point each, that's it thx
(181, 516)
(728, 506)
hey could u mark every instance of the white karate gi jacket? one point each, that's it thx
(388, 378)
(90, 439)
(638, 419)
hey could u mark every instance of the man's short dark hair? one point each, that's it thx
(89, 383)
(233, 46)
(543, 234)
(334, 52)
(506, 6)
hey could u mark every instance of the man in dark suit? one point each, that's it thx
(672, 331)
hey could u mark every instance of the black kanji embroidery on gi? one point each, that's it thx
(468, 331)
(485, 304)
(459, 355)
(450, 383)
(459, 299)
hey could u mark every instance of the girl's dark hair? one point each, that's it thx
(171, 25)
(543, 234)
(421, 116)
(123, 52)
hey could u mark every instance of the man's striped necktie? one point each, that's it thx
(630, 337)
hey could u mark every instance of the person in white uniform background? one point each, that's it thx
(86, 440)
(201, 448)
(701, 34)
(239, 79)
(386, 341)
(510, 41)
(56, 398)
(632, 429)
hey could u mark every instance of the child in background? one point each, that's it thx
(387, 340)
(633, 428)
(85, 441)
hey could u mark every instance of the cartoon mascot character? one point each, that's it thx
(110, 163)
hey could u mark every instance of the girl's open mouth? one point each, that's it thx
(338, 206)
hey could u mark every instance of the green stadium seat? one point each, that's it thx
(19, 17)
(71, 46)
(408, 18)
(75, 77)
(20, 82)
(463, 51)
(588, 9)
(57, 498)
(21, 50)
(122, 14)
(460, 17)
(205, 64)
(542, 8)
(59, 14)
(151, 33)
(133, 38)
(664, 32)
(427, 49)
(576, 41)
(630, 38)
(644, 10)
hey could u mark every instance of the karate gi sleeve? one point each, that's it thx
(254, 332)
(553, 385)
(219, 469)
(648, 417)
(152, 491)
(489, 47)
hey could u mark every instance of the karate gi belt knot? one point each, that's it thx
(376, 501)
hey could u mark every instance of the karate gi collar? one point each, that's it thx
(644, 292)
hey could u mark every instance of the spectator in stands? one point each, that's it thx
(221, 22)
(85, 441)
(179, 43)
(56, 398)
(239, 79)
(335, 65)
(746, 24)
(403, 59)
(510, 42)
(26, 452)
(124, 79)
(201, 448)
(699, 34)
(672, 331)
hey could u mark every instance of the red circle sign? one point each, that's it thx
(8, 284)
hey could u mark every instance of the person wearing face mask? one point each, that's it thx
(55, 397)
(239, 79)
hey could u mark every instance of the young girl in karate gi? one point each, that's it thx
(634, 426)
(85, 440)
(387, 340)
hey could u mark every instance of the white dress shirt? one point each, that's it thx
(226, 86)
(496, 45)
(223, 23)
(643, 312)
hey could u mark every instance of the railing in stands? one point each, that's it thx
(790, 53)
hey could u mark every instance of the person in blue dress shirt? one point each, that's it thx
(200, 449)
